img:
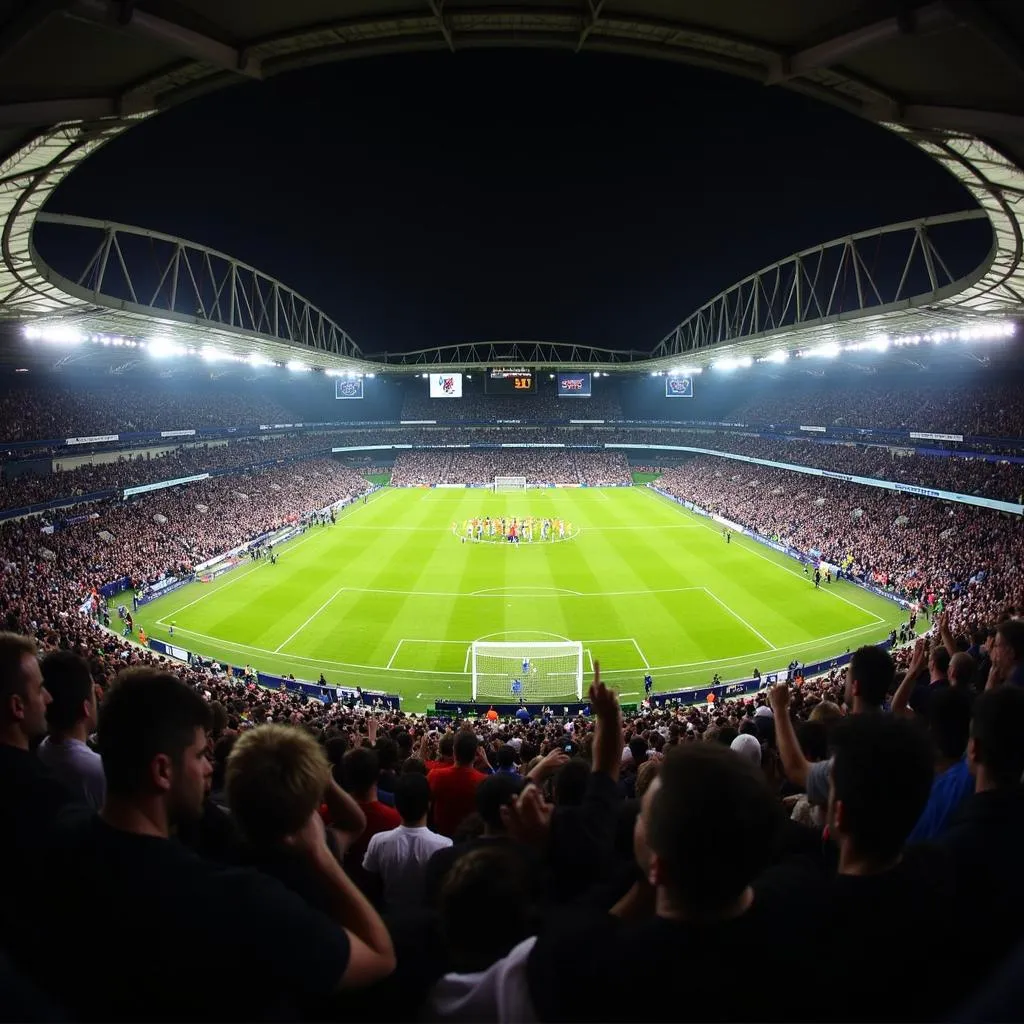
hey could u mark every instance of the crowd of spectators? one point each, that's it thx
(161, 533)
(561, 467)
(958, 406)
(1001, 480)
(913, 546)
(155, 466)
(53, 410)
(602, 405)
(356, 851)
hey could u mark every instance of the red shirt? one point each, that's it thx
(454, 792)
(379, 818)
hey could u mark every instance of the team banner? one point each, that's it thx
(177, 433)
(145, 488)
(679, 387)
(574, 385)
(446, 385)
(348, 387)
(95, 439)
(814, 430)
(936, 437)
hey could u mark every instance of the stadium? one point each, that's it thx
(699, 643)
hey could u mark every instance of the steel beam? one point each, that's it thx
(122, 16)
(589, 21)
(437, 7)
(841, 47)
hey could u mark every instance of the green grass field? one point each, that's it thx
(390, 599)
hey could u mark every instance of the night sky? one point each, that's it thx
(425, 200)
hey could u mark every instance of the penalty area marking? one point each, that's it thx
(647, 664)
(739, 618)
(292, 636)
(414, 672)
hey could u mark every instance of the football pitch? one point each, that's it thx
(390, 598)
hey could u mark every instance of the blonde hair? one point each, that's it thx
(645, 775)
(825, 712)
(275, 780)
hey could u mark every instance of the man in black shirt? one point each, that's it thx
(885, 925)
(30, 796)
(183, 938)
(707, 826)
(986, 836)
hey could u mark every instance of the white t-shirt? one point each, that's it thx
(400, 858)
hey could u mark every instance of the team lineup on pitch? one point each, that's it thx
(385, 599)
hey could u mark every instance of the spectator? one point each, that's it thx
(986, 837)
(963, 670)
(152, 734)
(360, 771)
(949, 725)
(29, 795)
(1007, 654)
(454, 788)
(869, 678)
(399, 857)
(880, 781)
(276, 778)
(70, 719)
(693, 902)
(493, 793)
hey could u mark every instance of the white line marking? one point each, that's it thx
(590, 658)
(501, 593)
(631, 693)
(785, 568)
(412, 672)
(288, 547)
(394, 654)
(525, 592)
(647, 664)
(739, 618)
(309, 620)
(209, 592)
(465, 666)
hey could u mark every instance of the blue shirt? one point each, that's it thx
(949, 790)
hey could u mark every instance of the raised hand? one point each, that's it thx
(778, 698)
(528, 818)
(603, 701)
(549, 764)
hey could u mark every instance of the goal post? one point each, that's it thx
(509, 483)
(548, 671)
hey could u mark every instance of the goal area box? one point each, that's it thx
(547, 671)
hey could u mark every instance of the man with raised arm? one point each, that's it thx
(869, 678)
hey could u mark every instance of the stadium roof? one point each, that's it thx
(948, 75)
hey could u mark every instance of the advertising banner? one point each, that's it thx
(574, 385)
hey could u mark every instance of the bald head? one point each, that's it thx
(962, 669)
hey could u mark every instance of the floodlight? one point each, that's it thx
(828, 350)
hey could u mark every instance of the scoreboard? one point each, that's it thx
(510, 382)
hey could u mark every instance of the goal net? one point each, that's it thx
(509, 483)
(537, 672)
